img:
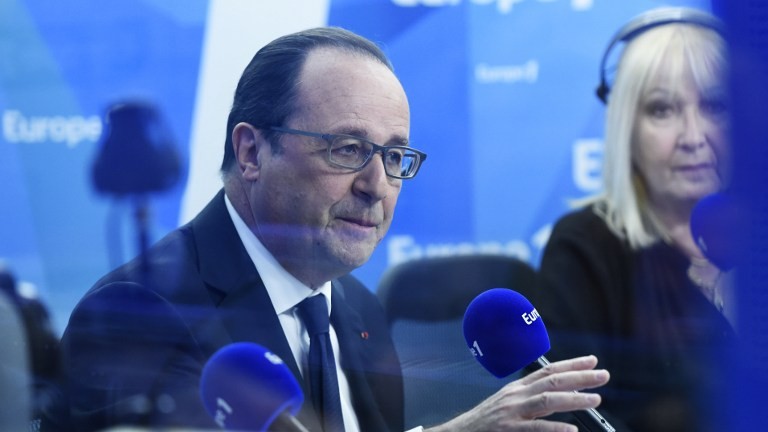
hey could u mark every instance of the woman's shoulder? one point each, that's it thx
(586, 225)
(586, 219)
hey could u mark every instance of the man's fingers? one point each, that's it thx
(568, 381)
(579, 363)
(543, 426)
(544, 404)
(552, 389)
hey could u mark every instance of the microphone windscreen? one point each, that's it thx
(137, 153)
(504, 331)
(246, 387)
(717, 227)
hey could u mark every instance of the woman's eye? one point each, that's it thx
(714, 107)
(660, 109)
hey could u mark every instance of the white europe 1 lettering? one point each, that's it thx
(223, 410)
(273, 358)
(475, 350)
(71, 130)
(529, 318)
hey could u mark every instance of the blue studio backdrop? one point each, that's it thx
(501, 92)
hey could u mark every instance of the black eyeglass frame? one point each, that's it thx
(329, 139)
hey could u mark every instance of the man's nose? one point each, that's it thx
(372, 180)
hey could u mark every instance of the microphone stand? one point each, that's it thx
(142, 217)
(137, 157)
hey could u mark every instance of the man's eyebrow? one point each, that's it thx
(399, 141)
(362, 133)
(353, 131)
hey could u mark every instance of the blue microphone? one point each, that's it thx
(505, 333)
(246, 387)
(718, 225)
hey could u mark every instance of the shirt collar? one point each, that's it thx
(285, 291)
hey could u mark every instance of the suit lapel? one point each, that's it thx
(353, 348)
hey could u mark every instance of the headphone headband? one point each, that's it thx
(647, 21)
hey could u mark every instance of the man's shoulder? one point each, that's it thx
(165, 290)
(153, 307)
(176, 256)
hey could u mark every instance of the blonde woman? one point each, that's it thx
(622, 277)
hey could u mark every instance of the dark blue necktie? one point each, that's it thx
(324, 386)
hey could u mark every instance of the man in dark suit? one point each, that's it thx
(316, 153)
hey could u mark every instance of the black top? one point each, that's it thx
(650, 327)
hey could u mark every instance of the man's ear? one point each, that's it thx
(248, 144)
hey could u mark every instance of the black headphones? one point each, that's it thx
(646, 21)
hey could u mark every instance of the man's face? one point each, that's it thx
(318, 220)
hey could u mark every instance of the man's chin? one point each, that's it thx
(356, 260)
(352, 256)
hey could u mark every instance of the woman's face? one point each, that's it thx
(680, 144)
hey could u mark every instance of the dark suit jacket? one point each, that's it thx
(135, 345)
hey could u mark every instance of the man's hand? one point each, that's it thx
(518, 405)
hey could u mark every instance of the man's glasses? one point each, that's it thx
(351, 152)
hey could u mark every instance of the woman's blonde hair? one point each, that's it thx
(676, 47)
